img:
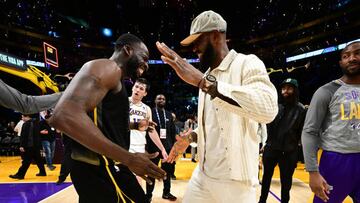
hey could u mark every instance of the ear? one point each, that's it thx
(128, 50)
(145, 94)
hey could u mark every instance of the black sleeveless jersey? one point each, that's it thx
(112, 118)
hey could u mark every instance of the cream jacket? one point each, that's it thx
(244, 79)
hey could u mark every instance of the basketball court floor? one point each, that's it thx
(45, 190)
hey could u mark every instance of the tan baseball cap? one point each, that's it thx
(206, 21)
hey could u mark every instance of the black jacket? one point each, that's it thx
(284, 132)
(51, 131)
(170, 131)
(30, 134)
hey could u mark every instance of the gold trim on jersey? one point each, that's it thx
(119, 192)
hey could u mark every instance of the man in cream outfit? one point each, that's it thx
(235, 96)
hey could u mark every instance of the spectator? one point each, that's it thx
(30, 147)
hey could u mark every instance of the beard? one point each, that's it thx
(351, 72)
(131, 68)
(160, 105)
(290, 99)
(208, 58)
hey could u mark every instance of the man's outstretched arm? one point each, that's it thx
(85, 91)
(255, 99)
(26, 104)
(182, 142)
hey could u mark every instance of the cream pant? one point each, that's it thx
(202, 188)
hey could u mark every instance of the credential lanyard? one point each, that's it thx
(158, 117)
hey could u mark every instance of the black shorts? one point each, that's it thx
(111, 183)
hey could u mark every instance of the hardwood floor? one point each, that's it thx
(300, 192)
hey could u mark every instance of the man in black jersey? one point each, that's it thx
(94, 111)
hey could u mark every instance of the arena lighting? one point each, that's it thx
(12, 61)
(342, 3)
(35, 63)
(17, 62)
(162, 62)
(107, 32)
(156, 62)
(320, 51)
(53, 34)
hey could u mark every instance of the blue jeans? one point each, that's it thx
(49, 148)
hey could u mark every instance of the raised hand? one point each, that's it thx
(152, 126)
(182, 142)
(183, 69)
(142, 166)
(143, 124)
